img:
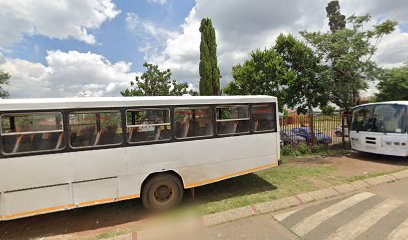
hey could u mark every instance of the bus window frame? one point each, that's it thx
(249, 118)
(68, 148)
(95, 111)
(273, 105)
(137, 125)
(29, 153)
(194, 106)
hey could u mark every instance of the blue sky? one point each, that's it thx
(114, 40)
(82, 48)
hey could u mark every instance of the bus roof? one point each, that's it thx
(98, 102)
(389, 102)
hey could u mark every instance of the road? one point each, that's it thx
(379, 213)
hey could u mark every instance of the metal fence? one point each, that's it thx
(327, 129)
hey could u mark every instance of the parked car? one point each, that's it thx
(289, 137)
(338, 131)
(305, 133)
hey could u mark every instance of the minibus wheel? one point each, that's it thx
(162, 192)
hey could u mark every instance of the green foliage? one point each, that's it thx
(328, 110)
(209, 71)
(303, 149)
(264, 74)
(337, 20)
(308, 88)
(154, 82)
(348, 52)
(4, 77)
(393, 84)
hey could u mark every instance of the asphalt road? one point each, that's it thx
(380, 212)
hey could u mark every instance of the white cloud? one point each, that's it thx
(55, 19)
(162, 2)
(151, 34)
(67, 74)
(242, 26)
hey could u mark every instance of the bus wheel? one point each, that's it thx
(162, 192)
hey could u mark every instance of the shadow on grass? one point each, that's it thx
(113, 214)
(378, 158)
(233, 187)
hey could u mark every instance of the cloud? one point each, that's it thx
(67, 74)
(54, 19)
(153, 36)
(162, 2)
(242, 26)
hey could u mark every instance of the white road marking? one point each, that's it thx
(309, 223)
(283, 216)
(360, 224)
(400, 233)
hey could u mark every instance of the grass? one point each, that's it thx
(259, 187)
(319, 150)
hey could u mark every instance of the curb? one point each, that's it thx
(287, 202)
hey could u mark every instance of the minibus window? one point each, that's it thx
(193, 122)
(32, 132)
(263, 118)
(232, 119)
(89, 129)
(146, 125)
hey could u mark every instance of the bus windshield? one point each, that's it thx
(387, 118)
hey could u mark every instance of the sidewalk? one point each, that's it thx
(284, 203)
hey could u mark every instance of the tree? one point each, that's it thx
(328, 110)
(209, 71)
(154, 82)
(4, 77)
(264, 74)
(393, 84)
(337, 21)
(308, 89)
(348, 52)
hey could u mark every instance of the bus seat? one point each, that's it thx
(60, 141)
(230, 127)
(208, 129)
(184, 127)
(157, 133)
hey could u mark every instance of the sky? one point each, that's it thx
(68, 48)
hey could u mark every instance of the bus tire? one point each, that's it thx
(162, 192)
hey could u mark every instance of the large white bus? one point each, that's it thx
(59, 154)
(380, 128)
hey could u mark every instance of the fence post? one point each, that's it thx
(342, 131)
(311, 124)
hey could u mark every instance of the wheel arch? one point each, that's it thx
(170, 172)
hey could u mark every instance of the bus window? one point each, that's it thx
(193, 122)
(263, 118)
(145, 125)
(232, 119)
(30, 132)
(95, 128)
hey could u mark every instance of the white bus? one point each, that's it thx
(59, 154)
(380, 128)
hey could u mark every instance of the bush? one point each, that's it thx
(302, 149)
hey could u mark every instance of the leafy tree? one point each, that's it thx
(348, 52)
(4, 77)
(337, 21)
(393, 84)
(264, 74)
(308, 89)
(154, 82)
(328, 110)
(209, 71)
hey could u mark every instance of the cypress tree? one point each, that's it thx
(209, 71)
